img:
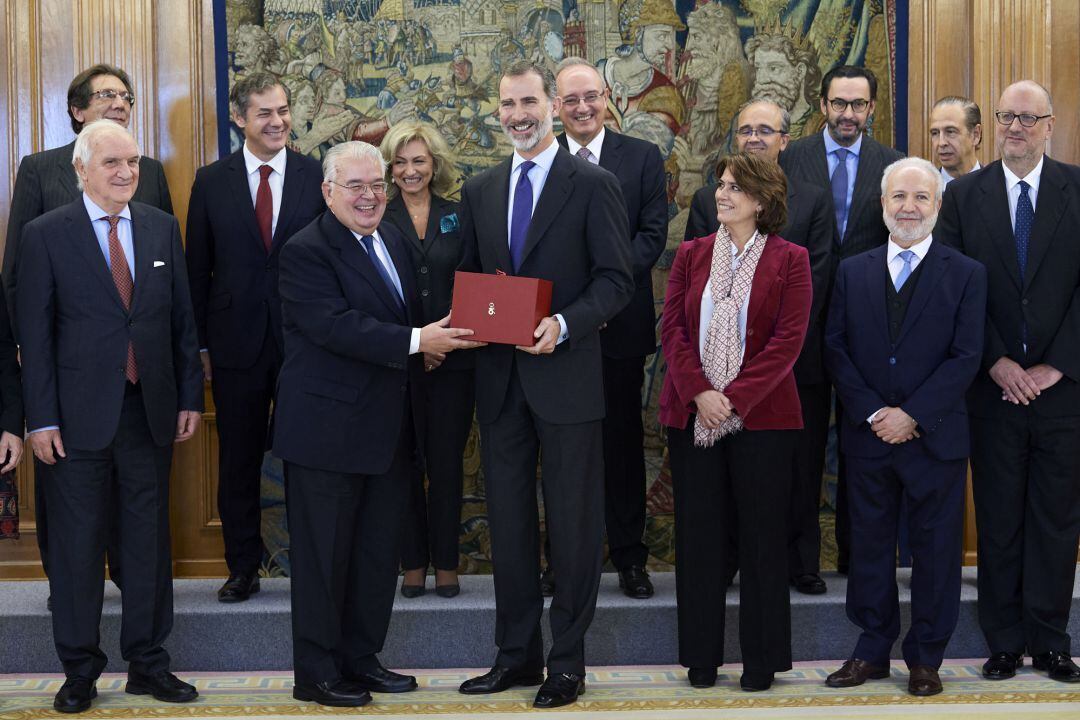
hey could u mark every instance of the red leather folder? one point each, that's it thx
(499, 308)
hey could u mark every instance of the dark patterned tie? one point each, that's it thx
(839, 191)
(369, 245)
(1025, 218)
(264, 207)
(584, 153)
(522, 215)
(121, 275)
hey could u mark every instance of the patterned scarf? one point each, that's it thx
(722, 358)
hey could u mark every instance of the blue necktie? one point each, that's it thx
(839, 191)
(519, 221)
(1025, 217)
(905, 272)
(369, 245)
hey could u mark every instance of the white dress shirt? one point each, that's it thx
(100, 223)
(708, 307)
(949, 178)
(276, 180)
(1012, 188)
(594, 145)
(382, 256)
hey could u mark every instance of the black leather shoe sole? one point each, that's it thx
(308, 695)
(1001, 669)
(406, 683)
(78, 707)
(527, 680)
(701, 677)
(547, 702)
(810, 585)
(237, 594)
(1060, 672)
(180, 696)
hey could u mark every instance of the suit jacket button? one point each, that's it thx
(425, 292)
(749, 332)
(1024, 301)
(892, 361)
(131, 323)
(423, 269)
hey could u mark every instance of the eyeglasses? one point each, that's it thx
(375, 188)
(574, 100)
(1026, 119)
(111, 95)
(840, 104)
(764, 132)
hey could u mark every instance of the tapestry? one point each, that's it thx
(677, 70)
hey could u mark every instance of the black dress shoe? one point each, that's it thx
(448, 591)
(1002, 665)
(1057, 666)
(411, 591)
(809, 584)
(239, 587)
(382, 680)
(335, 693)
(547, 582)
(753, 681)
(164, 686)
(923, 681)
(498, 679)
(701, 677)
(75, 695)
(559, 689)
(635, 582)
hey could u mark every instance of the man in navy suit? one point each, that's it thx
(111, 380)
(630, 336)
(904, 342)
(243, 209)
(344, 427)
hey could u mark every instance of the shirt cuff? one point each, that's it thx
(43, 429)
(563, 332)
(874, 415)
(414, 341)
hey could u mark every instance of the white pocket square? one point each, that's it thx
(159, 263)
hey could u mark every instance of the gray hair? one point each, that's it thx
(914, 162)
(576, 62)
(518, 68)
(785, 116)
(352, 150)
(88, 137)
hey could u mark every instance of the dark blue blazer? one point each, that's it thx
(75, 330)
(928, 370)
(233, 279)
(345, 383)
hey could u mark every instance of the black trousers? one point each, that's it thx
(750, 470)
(242, 400)
(1026, 482)
(572, 477)
(343, 535)
(126, 482)
(432, 521)
(933, 495)
(804, 548)
(842, 529)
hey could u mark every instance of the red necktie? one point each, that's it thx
(264, 206)
(121, 275)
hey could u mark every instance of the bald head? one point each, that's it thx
(584, 99)
(1022, 141)
(762, 129)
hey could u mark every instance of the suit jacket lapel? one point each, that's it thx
(869, 170)
(439, 208)
(557, 190)
(765, 275)
(242, 197)
(700, 270)
(82, 234)
(610, 157)
(143, 243)
(876, 275)
(66, 172)
(353, 255)
(293, 180)
(392, 239)
(994, 211)
(933, 267)
(819, 164)
(497, 193)
(1052, 203)
(398, 214)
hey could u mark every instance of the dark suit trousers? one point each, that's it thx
(804, 550)
(432, 521)
(934, 494)
(572, 477)
(242, 401)
(130, 478)
(750, 470)
(344, 535)
(842, 529)
(1027, 510)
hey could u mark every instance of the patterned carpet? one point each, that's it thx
(623, 692)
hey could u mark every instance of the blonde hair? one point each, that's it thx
(400, 135)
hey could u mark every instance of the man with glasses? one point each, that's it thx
(762, 129)
(46, 181)
(243, 208)
(955, 136)
(1018, 217)
(630, 336)
(849, 162)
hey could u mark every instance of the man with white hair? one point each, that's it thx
(344, 426)
(108, 272)
(904, 342)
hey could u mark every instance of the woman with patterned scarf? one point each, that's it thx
(735, 316)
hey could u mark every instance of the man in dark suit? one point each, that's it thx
(903, 344)
(344, 427)
(46, 181)
(630, 336)
(11, 426)
(244, 207)
(1019, 217)
(544, 213)
(762, 129)
(848, 161)
(108, 273)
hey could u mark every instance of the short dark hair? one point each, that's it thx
(848, 71)
(253, 84)
(970, 108)
(524, 67)
(79, 90)
(762, 180)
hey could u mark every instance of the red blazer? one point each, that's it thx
(763, 393)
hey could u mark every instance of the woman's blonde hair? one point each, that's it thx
(400, 135)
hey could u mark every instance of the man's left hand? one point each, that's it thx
(187, 422)
(546, 334)
(11, 447)
(894, 426)
(1045, 376)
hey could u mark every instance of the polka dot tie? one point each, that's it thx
(1025, 218)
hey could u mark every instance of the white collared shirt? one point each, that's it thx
(896, 263)
(100, 223)
(276, 180)
(1012, 187)
(382, 256)
(949, 178)
(708, 307)
(594, 145)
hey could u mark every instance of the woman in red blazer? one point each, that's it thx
(734, 320)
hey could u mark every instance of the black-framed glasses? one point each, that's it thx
(1026, 119)
(588, 98)
(375, 188)
(840, 104)
(762, 131)
(111, 95)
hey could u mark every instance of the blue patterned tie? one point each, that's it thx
(839, 191)
(369, 245)
(519, 221)
(1025, 217)
(905, 272)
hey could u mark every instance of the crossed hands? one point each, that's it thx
(1020, 386)
(894, 426)
(713, 408)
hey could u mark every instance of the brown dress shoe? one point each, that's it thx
(856, 672)
(923, 681)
